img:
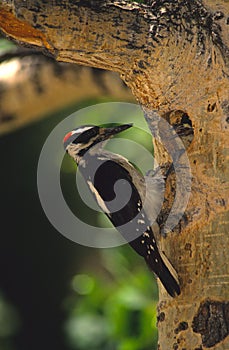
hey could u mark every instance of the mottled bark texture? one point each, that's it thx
(174, 56)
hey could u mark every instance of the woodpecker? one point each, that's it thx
(101, 170)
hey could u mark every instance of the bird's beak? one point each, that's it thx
(106, 133)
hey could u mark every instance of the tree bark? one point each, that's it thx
(175, 58)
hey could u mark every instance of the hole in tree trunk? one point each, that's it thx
(182, 125)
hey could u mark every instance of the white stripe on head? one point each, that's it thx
(80, 130)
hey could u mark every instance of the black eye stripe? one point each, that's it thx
(85, 136)
(71, 139)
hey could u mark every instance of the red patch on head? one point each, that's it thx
(66, 137)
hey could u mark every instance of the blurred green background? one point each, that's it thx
(54, 293)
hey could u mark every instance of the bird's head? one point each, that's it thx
(78, 141)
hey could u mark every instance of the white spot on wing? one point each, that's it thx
(141, 221)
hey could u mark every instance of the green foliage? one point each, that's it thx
(6, 45)
(9, 324)
(113, 310)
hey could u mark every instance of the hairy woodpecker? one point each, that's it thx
(102, 170)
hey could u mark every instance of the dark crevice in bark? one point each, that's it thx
(212, 322)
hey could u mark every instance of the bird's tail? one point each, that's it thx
(166, 274)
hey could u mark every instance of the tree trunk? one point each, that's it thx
(175, 58)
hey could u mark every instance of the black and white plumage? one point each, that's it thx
(102, 170)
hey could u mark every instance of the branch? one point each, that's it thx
(90, 36)
(148, 45)
(34, 86)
